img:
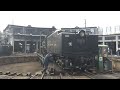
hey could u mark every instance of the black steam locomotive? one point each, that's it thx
(73, 50)
(6, 50)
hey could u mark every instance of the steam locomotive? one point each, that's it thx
(73, 50)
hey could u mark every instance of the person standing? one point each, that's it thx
(46, 61)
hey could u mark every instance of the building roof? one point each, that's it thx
(78, 27)
(9, 25)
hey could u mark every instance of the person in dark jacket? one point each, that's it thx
(46, 61)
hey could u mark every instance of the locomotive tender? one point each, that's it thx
(73, 50)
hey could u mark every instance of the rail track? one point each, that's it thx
(86, 75)
(61, 76)
(89, 74)
(83, 75)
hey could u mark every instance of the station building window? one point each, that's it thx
(106, 43)
(118, 44)
(118, 37)
(100, 43)
(110, 38)
(99, 38)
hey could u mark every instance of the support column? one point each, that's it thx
(103, 40)
(25, 45)
(36, 45)
(24, 38)
(116, 43)
(13, 46)
(13, 42)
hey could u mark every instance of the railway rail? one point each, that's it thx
(88, 74)
(61, 76)
(84, 75)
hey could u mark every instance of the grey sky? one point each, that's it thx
(59, 19)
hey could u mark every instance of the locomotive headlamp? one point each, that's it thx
(82, 33)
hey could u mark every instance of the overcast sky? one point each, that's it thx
(60, 19)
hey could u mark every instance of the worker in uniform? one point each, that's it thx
(48, 58)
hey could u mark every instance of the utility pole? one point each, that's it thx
(106, 30)
(110, 30)
(102, 31)
(119, 28)
(12, 21)
(85, 23)
(115, 29)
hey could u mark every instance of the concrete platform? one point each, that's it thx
(36, 77)
(5, 77)
(21, 77)
(75, 77)
(105, 77)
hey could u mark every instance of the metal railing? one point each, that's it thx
(41, 58)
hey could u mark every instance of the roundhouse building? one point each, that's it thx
(112, 40)
(26, 38)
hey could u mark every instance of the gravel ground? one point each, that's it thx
(34, 67)
(22, 67)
